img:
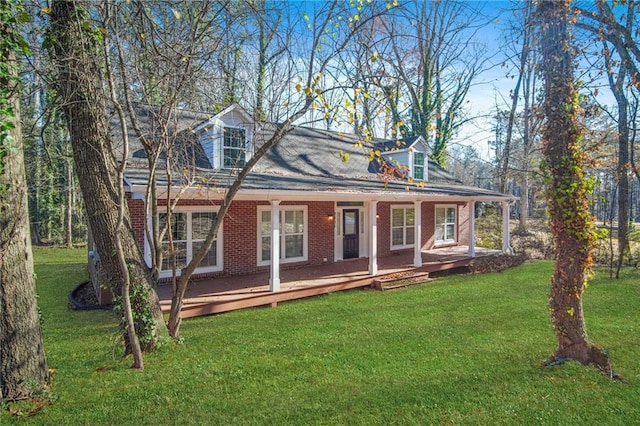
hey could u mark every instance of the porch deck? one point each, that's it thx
(218, 295)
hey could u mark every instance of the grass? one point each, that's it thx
(458, 350)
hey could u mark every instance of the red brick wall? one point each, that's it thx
(136, 212)
(321, 235)
(463, 224)
(428, 225)
(240, 233)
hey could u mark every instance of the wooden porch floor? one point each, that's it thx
(218, 295)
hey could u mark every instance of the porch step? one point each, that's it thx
(400, 280)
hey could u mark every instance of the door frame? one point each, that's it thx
(355, 234)
(363, 236)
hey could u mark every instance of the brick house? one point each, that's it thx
(314, 198)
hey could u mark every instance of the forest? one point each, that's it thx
(557, 131)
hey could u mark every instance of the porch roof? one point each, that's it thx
(267, 186)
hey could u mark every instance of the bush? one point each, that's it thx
(489, 230)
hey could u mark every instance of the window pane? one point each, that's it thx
(397, 237)
(439, 233)
(234, 157)
(410, 234)
(178, 226)
(265, 222)
(200, 225)
(450, 231)
(299, 221)
(439, 215)
(418, 173)
(266, 248)
(451, 215)
(210, 258)
(410, 216)
(397, 217)
(293, 246)
(181, 255)
(293, 221)
(418, 166)
(350, 223)
(234, 138)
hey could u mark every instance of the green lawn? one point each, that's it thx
(458, 350)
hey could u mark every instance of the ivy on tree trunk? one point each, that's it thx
(573, 227)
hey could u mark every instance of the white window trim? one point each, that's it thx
(219, 246)
(404, 207)
(455, 224)
(305, 237)
(424, 166)
(245, 149)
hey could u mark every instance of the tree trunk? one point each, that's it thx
(572, 224)
(23, 365)
(68, 206)
(617, 86)
(79, 82)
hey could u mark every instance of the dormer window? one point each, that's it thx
(234, 147)
(418, 166)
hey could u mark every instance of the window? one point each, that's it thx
(234, 144)
(445, 225)
(402, 227)
(189, 229)
(418, 166)
(293, 234)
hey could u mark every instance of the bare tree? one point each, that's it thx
(617, 30)
(74, 45)
(23, 365)
(617, 84)
(319, 55)
(617, 27)
(523, 125)
(572, 225)
(435, 62)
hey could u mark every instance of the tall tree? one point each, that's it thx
(435, 61)
(74, 44)
(523, 125)
(174, 46)
(23, 365)
(616, 27)
(568, 190)
(523, 64)
(617, 85)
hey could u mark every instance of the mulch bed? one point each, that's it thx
(83, 297)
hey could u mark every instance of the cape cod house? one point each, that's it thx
(315, 198)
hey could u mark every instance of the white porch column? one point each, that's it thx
(274, 279)
(472, 228)
(373, 238)
(506, 233)
(417, 236)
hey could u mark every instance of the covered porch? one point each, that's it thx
(218, 295)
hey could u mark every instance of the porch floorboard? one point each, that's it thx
(217, 295)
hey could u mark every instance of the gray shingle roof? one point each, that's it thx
(306, 159)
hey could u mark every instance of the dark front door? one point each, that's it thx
(351, 241)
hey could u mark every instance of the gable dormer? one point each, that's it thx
(227, 138)
(412, 154)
